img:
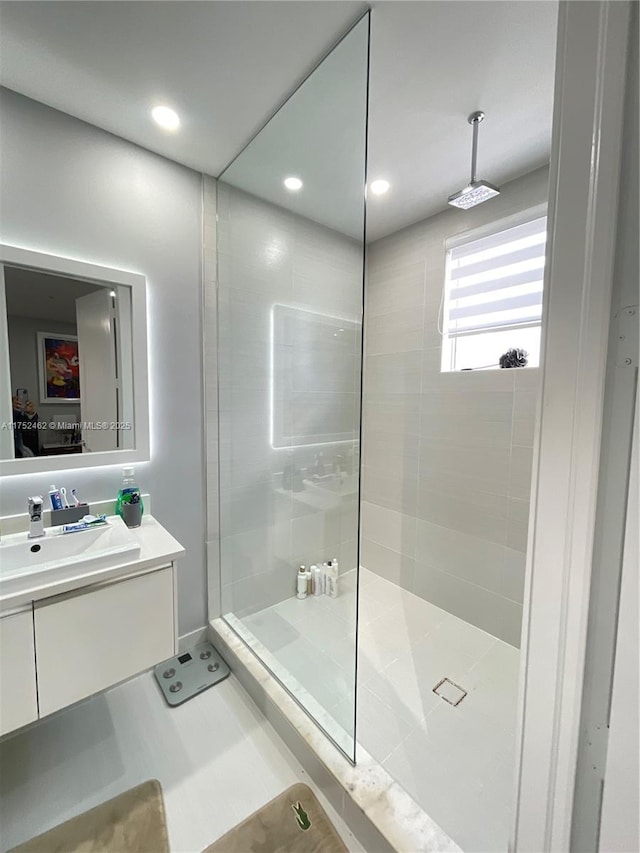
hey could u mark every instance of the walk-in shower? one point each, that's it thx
(381, 584)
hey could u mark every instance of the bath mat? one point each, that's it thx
(294, 822)
(132, 822)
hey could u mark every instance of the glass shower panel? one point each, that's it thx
(290, 300)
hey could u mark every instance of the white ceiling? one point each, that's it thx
(225, 67)
(319, 135)
(434, 63)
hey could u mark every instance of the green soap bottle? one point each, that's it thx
(129, 493)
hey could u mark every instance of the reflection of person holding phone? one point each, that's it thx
(25, 437)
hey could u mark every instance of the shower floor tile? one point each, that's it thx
(457, 762)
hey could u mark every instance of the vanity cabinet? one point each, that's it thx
(69, 631)
(18, 698)
(92, 638)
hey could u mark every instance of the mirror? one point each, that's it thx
(73, 347)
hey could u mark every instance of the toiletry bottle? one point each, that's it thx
(316, 580)
(55, 497)
(332, 578)
(129, 493)
(325, 578)
(309, 582)
(335, 567)
(301, 581)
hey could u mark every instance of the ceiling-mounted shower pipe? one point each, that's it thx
(477, 191)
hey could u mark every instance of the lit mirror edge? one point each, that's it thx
(59, 265)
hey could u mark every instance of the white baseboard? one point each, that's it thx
(188, 641)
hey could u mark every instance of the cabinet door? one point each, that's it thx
(18, 701)
(92, 639)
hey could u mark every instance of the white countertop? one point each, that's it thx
(157, 547)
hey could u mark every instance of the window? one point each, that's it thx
(493, 297)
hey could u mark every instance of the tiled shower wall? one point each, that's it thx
(446, 456)
(270, 256)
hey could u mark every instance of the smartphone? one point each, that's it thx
(23, 396)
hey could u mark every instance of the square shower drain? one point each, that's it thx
(450, 692)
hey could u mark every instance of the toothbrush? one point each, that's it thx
(75, 497)
(63, 494)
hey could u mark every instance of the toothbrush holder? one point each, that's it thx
(70, 515)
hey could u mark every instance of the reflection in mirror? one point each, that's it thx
(315, 376)
(70, 361)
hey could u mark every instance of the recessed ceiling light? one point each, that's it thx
(167, 118)
(380, 187)
(293, 184)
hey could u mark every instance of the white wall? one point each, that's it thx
(446, 456)
(70, 189)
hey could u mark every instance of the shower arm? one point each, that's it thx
(474, 120)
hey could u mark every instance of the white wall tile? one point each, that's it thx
(390, 451)
(393, 373)
(396, 414)
(389, 564)
(473, 431)
(393, 491)
(494, 613)
(396, 331)
(461, 402)
(524, 431)
(485, 520)
(487, 468)
(471, 558)
(520, 472)
(392, 529)
(398, 288)
(513, 574)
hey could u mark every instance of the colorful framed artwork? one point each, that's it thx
(58, 368)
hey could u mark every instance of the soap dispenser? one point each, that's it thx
(129, 504)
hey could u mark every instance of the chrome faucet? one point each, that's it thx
(36, 525)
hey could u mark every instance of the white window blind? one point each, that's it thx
(495, 282)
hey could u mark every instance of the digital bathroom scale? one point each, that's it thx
(189, 673)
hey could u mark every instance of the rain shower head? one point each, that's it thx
(476, 191)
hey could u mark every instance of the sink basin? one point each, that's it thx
(58, 555)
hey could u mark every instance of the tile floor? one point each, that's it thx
(457, 762)
(216, 757)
